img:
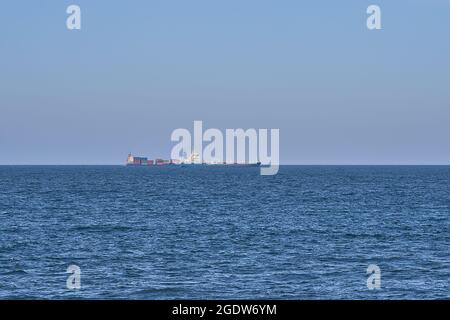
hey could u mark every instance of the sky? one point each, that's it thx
(137, 70)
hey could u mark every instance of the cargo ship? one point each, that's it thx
(192, 160)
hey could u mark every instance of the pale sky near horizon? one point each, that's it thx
(137, 70)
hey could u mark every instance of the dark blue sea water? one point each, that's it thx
(309, 232)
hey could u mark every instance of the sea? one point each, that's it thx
(309, 232)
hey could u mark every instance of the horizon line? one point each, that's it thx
(286, 164)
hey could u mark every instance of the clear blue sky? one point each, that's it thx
(339, 93)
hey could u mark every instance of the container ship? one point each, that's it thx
(143, 161)
(133, 161)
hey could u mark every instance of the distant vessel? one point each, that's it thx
(192, 160)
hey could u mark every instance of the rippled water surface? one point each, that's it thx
(203, 232)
